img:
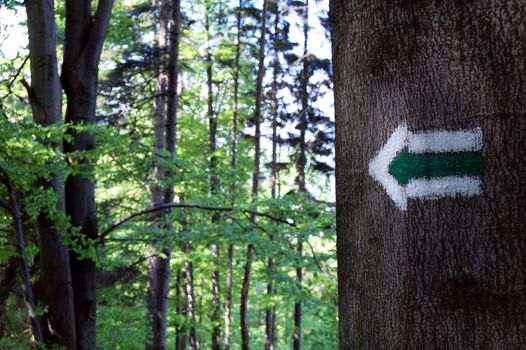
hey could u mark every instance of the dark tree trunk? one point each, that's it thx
(423, 266)
(270, 313)
(159, 266)
(181, 302)
(190, 297)
(84, 38)
(245, 288)
(228, 295)
(165, 138)
(233, 165)
(46, 104)
(214, 186)
(301, 164)
(25, 278)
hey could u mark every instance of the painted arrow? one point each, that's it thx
(429, 164)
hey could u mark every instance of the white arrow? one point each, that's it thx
(420, 143)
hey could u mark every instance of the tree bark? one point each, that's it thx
(85, 35)
(255, 178)
(55, 269)
(438, 271)
(270, 313)
(23, 267)
(301, 164)
(190, 297)
(165, 138)
(214, 185)
(182, 310)
(233, 165)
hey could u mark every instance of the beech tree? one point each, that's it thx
(430, 187)
(113, 224)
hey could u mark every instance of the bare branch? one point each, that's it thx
(159, 208)
(12, 81)
(268, 216)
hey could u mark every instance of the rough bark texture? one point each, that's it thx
(448, 272)
(46, 104)
(85, 35)
(245, 288)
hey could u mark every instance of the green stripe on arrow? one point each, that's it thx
(407, 166)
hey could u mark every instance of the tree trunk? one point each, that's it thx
(270, 314)
(46, 104)
(301, 164)
(214, 186)
(158, 266)
(165, 138)
(182, 310)
(255, 178)
(233, 165)
(190, 297)
(23, 267)
(83, 44)
(228, 295)
(436, 260)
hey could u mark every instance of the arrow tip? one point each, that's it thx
(379, 166)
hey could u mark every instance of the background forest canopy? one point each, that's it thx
(209, 155)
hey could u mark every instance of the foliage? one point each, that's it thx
(121, 169)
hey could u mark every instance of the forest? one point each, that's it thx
(166, 175)
(270, 174)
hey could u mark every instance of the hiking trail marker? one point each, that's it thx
(429, 164)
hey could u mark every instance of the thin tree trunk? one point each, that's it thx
(84, 38)
(245, 288)
(46, 104)
(301, 164)
(233, 165)
(189, 289)
(228, 295)
(438, 261)
(16, 213)
(190, 297)
(270, 314)
(171, 137)
(214, 186)
(182, 311)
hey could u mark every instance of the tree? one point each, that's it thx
(255, 177)
(84, 36)
(270, 314)
(164, 139)
(46, 104)
(233, 164)
(430, 254)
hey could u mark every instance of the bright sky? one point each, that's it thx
(12, 35)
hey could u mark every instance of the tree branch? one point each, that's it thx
(268, 216)
(99, 29)
(4, 204)
(156, 209)
(12, 81)
(118, 223)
